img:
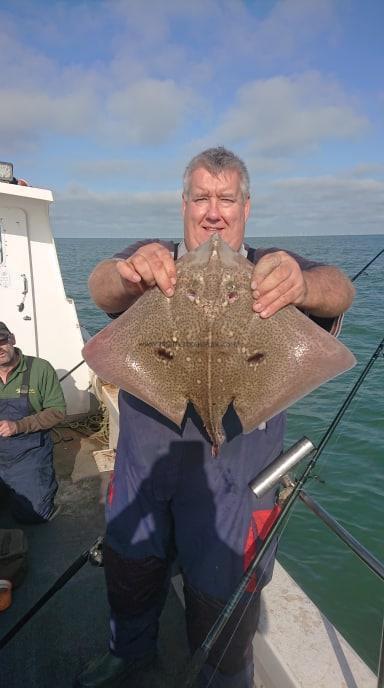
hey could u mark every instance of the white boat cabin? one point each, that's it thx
(33, 302)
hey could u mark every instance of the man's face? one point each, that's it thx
(7, 351)
(214, 204)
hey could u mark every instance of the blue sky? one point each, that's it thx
(105, 103)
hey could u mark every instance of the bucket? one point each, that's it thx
(5, 594)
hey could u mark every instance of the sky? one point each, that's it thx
(105, 103)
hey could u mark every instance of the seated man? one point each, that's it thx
(31, 402)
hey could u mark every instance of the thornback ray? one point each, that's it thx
(207, 346)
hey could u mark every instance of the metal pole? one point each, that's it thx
(272, 475)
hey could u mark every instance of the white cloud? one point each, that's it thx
(148, 112)
(292, 24)
(319, 205)
(284, 114)
(332, 184)
(28, 115)
(111, 91)
(80, 212)
(229, 31)
(365, 168)
(323, 205)
(128, 171)
(144, 86)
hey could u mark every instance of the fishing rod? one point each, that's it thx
(71, 371)
(366, 266)
(201, 654)
(93, 555)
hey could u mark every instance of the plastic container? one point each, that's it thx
(5, 594)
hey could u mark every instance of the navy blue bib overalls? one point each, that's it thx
(26, 462)
(168, 498)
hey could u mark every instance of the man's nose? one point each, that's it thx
(213, 212)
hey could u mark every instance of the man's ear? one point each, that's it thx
(183, 204)
(12, 340)
(247, 208)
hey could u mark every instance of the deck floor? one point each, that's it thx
(72, 627)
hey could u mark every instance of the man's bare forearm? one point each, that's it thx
(109, 291)
(329, 291)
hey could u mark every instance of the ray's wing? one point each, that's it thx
(284, 358)
(137, 351)
(158, 350)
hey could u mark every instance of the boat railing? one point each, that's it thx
(374, 564)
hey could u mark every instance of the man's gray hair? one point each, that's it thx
(216, 161)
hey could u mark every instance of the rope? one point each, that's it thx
(95, 425)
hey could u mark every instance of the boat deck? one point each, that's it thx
(72, 627)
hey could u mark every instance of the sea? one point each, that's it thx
(348, 478)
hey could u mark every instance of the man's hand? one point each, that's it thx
(152, 264)
(7, 428)
(277, 281)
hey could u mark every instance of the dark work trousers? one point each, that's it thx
(169, 496)
(26, 466)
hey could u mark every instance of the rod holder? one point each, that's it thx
(272, 475)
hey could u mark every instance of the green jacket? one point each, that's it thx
(44, 393)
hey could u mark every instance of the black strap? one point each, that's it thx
(5, 543)
(175, 250)
(24, 388)
(251, 254)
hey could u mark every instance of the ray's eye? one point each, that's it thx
(164, 354)
(232, 296)
(255, 358)
(191, 294)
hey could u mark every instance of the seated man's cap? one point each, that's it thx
(4, 331)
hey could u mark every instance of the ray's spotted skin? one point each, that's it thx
(206, 345)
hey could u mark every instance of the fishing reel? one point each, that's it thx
(95, 556)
